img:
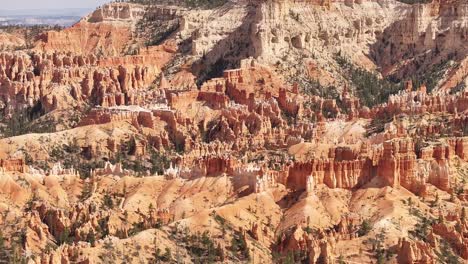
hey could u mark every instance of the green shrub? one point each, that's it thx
(431, 76)
(239, 246)
(205, 3)
(412, 2)
(369, 87)
(22, 122)
(108, 202)
(422, 228)
(365, 228)
(446, 255)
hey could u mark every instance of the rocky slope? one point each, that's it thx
(238, 132)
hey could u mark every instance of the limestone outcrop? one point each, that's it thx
(434, 27)
(234, 132)
(61, 80)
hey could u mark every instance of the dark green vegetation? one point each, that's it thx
(412, 2)
(154, 162)
(296, 255)
(73, 156)
(205, 3)
(191, 3)
(460, 87)
(162, 257)
(446, 255)
(201, 247)
(239, 246)
(381, 254)
(365, 228)
(214, 70)
(371, 89)
(330, 92)
(156, 31)
(423, 228)
(377, 125)
(312, 87)
(11, 248)
(22, 122)
(424, 225)
(431, 76)
(28, 33)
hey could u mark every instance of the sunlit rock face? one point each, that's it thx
(238, 132)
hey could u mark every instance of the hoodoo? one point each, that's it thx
(319, 131)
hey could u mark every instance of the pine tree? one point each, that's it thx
(64, 236)
(91, 238)
(86, 191)
(4, 252)
(167, 255)
(220, 252)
